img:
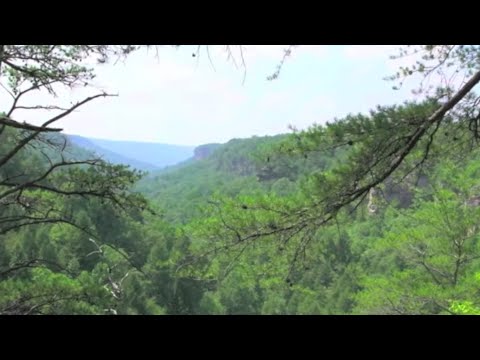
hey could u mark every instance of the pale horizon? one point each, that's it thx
(178, 99)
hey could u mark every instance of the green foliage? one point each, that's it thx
(362, 262)
(43, 291)
(437, 245)
(267, 225)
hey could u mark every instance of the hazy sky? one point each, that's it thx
(180, 99)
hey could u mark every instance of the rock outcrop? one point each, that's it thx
(203, 151)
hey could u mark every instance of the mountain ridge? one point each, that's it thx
(147, 156)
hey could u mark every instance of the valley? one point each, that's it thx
(374, 212)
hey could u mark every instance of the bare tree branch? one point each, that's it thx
(33, 263)
(33, 183)
(27, 139)
(12, 123)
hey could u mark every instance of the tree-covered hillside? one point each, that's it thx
(373, 213)
(235, 206)
(409, 248)
(241, 166)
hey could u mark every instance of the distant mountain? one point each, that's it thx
(108, 155)
(140, 155)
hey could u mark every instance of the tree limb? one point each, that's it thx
(29, 138)
(15, 124)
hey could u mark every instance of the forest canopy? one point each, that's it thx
(371, 213)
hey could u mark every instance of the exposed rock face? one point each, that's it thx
(474, 201)
(372, 208)
(203, 151)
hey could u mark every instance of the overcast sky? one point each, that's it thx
(180, 99)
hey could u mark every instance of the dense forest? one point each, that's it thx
(369, 214)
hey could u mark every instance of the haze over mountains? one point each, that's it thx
(140, 155)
